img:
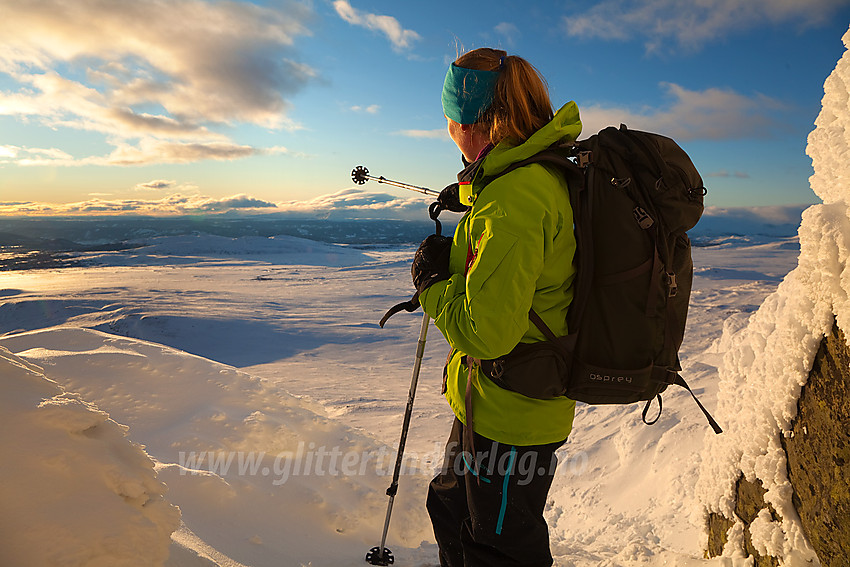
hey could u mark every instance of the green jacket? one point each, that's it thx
(518, 243)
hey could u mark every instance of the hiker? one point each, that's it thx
(512, 251)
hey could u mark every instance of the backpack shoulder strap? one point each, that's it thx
(540, 324)
(557, 155)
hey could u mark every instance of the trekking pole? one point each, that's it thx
(360, 175)
(380, 555)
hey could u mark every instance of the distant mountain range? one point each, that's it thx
(53, 241)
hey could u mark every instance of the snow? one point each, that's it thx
(829, 142)
(256, 392)
(229, 445)
(62, 457)
(237, 372)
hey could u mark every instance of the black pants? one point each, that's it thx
(487, 511)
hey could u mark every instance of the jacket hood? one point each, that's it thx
(565, 127)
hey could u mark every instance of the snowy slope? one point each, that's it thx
(75, 490)
(233, 447)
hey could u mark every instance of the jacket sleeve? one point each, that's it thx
(485, 313)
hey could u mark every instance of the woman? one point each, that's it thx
(512, 252)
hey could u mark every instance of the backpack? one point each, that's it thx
(634, 195)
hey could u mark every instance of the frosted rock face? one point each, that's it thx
(818, 450)
(829, 142)
(768, 362)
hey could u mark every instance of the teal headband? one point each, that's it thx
(467, 93)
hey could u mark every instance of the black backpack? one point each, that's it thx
(634, 195)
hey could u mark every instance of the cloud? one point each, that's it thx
(156, 185)
(690, 24)
(509, 31)
(171, 71)
(154, 151)
(768, 221)
(711, 114)
(176, 204)
(146, 151)
(9, 151)
(724, 173)
(437, 134)
(371, 109)
(356, 203)
(237, 202)
(772, 214)
(33, 156)
(352, 203)
(400, 38)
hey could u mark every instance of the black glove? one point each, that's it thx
(431, 262)
(449, 199)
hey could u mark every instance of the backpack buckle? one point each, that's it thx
(672, 285)
(498, 368)
(642, 217)
(584, 158)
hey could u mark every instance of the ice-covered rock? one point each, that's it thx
(766, 367)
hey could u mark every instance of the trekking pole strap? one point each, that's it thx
(410, 306)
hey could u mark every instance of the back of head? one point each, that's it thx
(521, 104)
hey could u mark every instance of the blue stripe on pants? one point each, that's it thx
(504, 507)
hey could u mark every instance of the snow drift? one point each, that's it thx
(259, 472)
(75, 490)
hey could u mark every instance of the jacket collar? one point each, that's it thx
(564, 127)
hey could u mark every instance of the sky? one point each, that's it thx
(182, 106)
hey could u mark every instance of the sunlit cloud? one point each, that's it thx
(151, 75)
(690, 24)
(146, 151)
(356, 203)
(8, 151)
(350, 203)
(712, 114)
(436, 134)
(400, 38)
(176, 204)
(33, 156)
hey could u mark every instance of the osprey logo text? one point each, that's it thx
(607, 378)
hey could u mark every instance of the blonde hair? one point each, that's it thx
(521, 104)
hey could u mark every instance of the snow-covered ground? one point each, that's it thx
(258, 381)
